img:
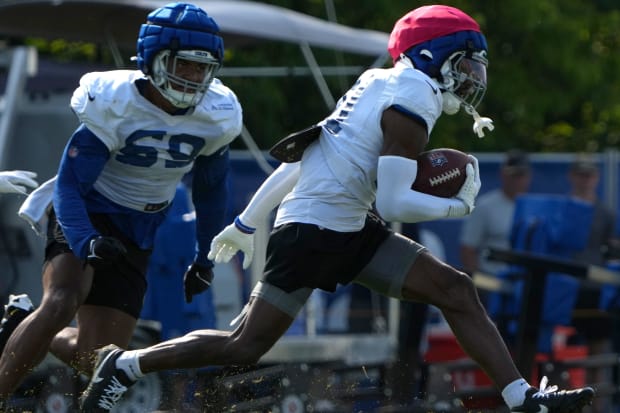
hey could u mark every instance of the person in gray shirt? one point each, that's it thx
(489, 225)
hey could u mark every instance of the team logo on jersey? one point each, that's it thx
(437, 159)
(73, 152)
(434, 89)
(90, 97)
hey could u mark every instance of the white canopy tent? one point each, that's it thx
(239, 21)
(114, 24)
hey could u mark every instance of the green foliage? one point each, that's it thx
(552, 75)
(64, 50)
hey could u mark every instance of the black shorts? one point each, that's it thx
(122, 285)
(305, 255)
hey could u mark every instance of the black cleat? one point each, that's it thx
(552, 400)
(18, 308)
(108, 384)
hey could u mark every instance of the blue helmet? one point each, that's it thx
(174, 34)
(430, 55)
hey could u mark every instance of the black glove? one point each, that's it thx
(104, 251)
(197, 279)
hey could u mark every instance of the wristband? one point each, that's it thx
(242, 227)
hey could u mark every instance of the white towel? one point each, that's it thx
(34, 208)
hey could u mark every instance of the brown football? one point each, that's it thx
(441, 172)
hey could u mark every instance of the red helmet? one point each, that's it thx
(427, 23)
(448, 46)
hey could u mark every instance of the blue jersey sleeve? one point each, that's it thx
(210, 188)
(82, 161)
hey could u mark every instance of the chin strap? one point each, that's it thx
(480, 122)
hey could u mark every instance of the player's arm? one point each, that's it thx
(210, 197)
(404, 133)
(239, 236)
(404, 137)
(210, 191)
(269, 195)
(82, 161)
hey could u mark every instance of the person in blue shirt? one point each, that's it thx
(140, 132)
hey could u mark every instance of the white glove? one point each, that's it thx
(471, 186)
(17, 181)
(226, 244)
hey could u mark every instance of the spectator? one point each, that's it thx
(490, 223)
(584, 177)
(593, 324)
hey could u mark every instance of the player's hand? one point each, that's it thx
(105, 251)
(197, 279)
(226, 244)
(17, 181)
(471, 186)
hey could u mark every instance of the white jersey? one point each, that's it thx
(150, 150)
(337, 185)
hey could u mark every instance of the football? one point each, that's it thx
(441, 172)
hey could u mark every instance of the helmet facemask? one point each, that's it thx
(463, 81)
(184, 76)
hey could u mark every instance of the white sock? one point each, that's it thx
(130, 364)
(514, 393)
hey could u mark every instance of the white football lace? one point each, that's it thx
(112, 393)
(543, 391)
(444, 177)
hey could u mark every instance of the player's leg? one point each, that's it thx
(65, 286)
(273, 306)
(266, 318)
(97, 326)
(263, 324)
(110, 311)
(431, 281)
(403, 269)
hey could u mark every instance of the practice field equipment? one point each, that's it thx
(291, 148)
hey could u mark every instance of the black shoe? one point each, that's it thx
(108, 384)
(18, 308)
(552, 400)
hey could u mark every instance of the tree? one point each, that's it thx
(552, 73)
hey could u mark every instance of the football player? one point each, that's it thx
(323, 236)
(140, 132)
